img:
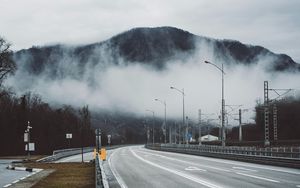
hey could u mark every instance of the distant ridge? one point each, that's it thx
(151, 46)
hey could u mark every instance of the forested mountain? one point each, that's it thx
(151, 46)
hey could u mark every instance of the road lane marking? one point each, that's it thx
(245, 169)
(278, 169)
(114, 171)
(197, 180)
(170, 158)
(7, 185)
(258, 177)
(193, 168)
(15, 181)
(297, 185)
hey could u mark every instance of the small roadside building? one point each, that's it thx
(209, 137)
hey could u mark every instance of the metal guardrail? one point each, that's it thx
(58, 154)
(285, 156)
(101, 180)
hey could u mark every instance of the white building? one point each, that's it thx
(209, 137)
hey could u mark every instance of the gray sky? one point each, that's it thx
(274, 24)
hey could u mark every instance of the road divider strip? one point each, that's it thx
(11, 167)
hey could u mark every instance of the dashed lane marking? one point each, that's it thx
(15, 181)
(258, 177)
(245, 169)
(193, 168)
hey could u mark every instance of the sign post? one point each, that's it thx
(109, 139)
(69, 137)
(98, 139)
(29, 146)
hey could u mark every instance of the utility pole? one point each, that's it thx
(147, 131)
(240, 126)
(175, 130)
(199, 122)
(275, 111)
(266, 113)
(275, 121)
(187, 130)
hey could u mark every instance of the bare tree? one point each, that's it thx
(7, 65)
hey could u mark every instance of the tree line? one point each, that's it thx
(49, 124)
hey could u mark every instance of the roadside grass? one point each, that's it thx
(77, 175)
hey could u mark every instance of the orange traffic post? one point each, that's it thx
(103, 154)
(94, 154)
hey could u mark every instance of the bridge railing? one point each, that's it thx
(283, 152)
(280, 156)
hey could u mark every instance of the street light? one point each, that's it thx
(183, 121)
(223, 102)
(152, 125)
(165, 121)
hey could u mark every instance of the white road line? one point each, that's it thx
(193, 168)
(258, 177)
(297, 185)
(15, 181)
(170, 158)
(22, 178)
(264, 167)
(7, 185)
(197, 180)
(242, 168)
(114, 171)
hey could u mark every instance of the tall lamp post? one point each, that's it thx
(223, 102)
(165, 120)
(183, 118)
(152, 125)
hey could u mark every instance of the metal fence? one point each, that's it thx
(281, 156)
(283, 152)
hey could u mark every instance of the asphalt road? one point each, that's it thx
(136, 167)
(9, 176)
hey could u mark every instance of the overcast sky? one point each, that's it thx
(274, 24)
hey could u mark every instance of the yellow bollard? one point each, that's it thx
(103, 154)
(94, 154)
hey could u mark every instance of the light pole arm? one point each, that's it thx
(182, 92)
(215, 66)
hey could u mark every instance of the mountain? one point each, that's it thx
(150, 46)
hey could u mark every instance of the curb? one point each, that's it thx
(104, 178)
(10, 167)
